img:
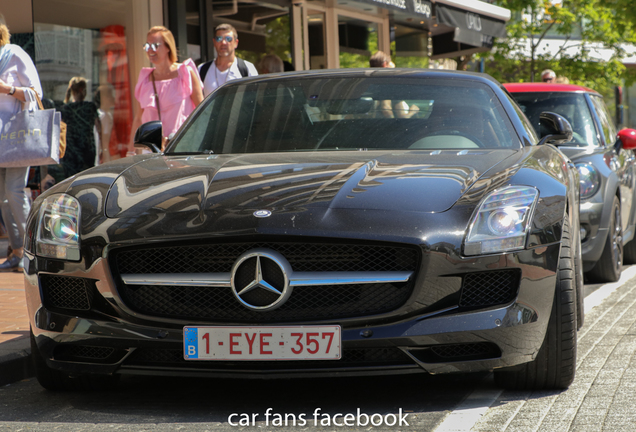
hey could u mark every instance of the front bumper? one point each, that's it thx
(468, 342)
(438, 341)
(594, 243)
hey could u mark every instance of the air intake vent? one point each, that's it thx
(457, 352)
(489, 288)
(88, 354)
(66, 292)
(351, 357)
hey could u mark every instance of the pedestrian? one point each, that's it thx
(271, 63)
(19, 81)
(389, 108)
(227, 66)
(105, 102)
(381, 60)
(548, 76)
(167, 92)
(80, 116)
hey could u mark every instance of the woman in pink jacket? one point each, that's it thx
(169, 91)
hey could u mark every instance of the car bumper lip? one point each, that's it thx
(590, 216)
(516, 329)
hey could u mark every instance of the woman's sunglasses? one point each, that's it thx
(228, 39)
(151, 46)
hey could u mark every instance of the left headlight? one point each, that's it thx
(58, 228)
(502, 221)
(589, 180)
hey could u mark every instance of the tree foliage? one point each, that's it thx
(277, 33)
(576, 30)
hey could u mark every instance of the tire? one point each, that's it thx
(609, 267)
(579, 277)
(629, 252)
(555, 364)
(54, 380)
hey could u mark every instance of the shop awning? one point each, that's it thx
(458, 27)
(422, 9)
(475, 25)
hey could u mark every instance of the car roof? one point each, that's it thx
(374, 72)
(546, 87)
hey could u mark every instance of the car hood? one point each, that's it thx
(407, 181)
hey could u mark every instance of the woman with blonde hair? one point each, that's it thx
(19, 82)
(169, 91)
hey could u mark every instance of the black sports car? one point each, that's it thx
(342, 222)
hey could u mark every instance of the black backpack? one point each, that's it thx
(242, 67)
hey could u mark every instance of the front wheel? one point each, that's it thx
(609, 267)
(555, 364)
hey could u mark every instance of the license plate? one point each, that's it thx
(262, 343)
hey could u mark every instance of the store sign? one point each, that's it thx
(473, 38)
(470, 21)
(422, 8)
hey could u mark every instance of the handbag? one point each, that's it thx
(29, 138)
(58, 123)
(164, 140)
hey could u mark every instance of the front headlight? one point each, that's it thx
(58, 228)
(502, 221)
(589, 180)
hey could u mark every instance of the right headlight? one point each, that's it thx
(502, 221)
(589, 180)
(58, 228)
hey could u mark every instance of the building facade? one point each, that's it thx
(101, 40)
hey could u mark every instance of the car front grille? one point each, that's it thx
(303, 257)
(489, 288)
(306, 303)
(66, 292)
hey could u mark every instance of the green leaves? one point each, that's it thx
(582, 40)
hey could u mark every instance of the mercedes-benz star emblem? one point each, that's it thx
(260, 279)
(262, 213)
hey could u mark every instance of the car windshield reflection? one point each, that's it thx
(347, 114)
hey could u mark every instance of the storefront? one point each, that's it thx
(345, 33)
(97, 40)
(101, 40)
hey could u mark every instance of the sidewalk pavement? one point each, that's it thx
(15, 347)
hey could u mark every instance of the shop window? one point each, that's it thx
(99, 56)
(358, 41)
(410, 47)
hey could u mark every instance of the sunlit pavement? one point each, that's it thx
(601, 398)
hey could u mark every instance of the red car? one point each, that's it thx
(605, 161)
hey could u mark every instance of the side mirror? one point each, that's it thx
(149, 136)
(628, 138)
(555, 129)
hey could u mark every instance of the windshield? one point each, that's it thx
(363, 113)
(572, 106)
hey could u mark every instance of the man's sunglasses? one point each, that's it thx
(151, 46)
(228, 39)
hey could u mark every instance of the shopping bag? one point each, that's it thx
(59, 130)
(28, 138)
